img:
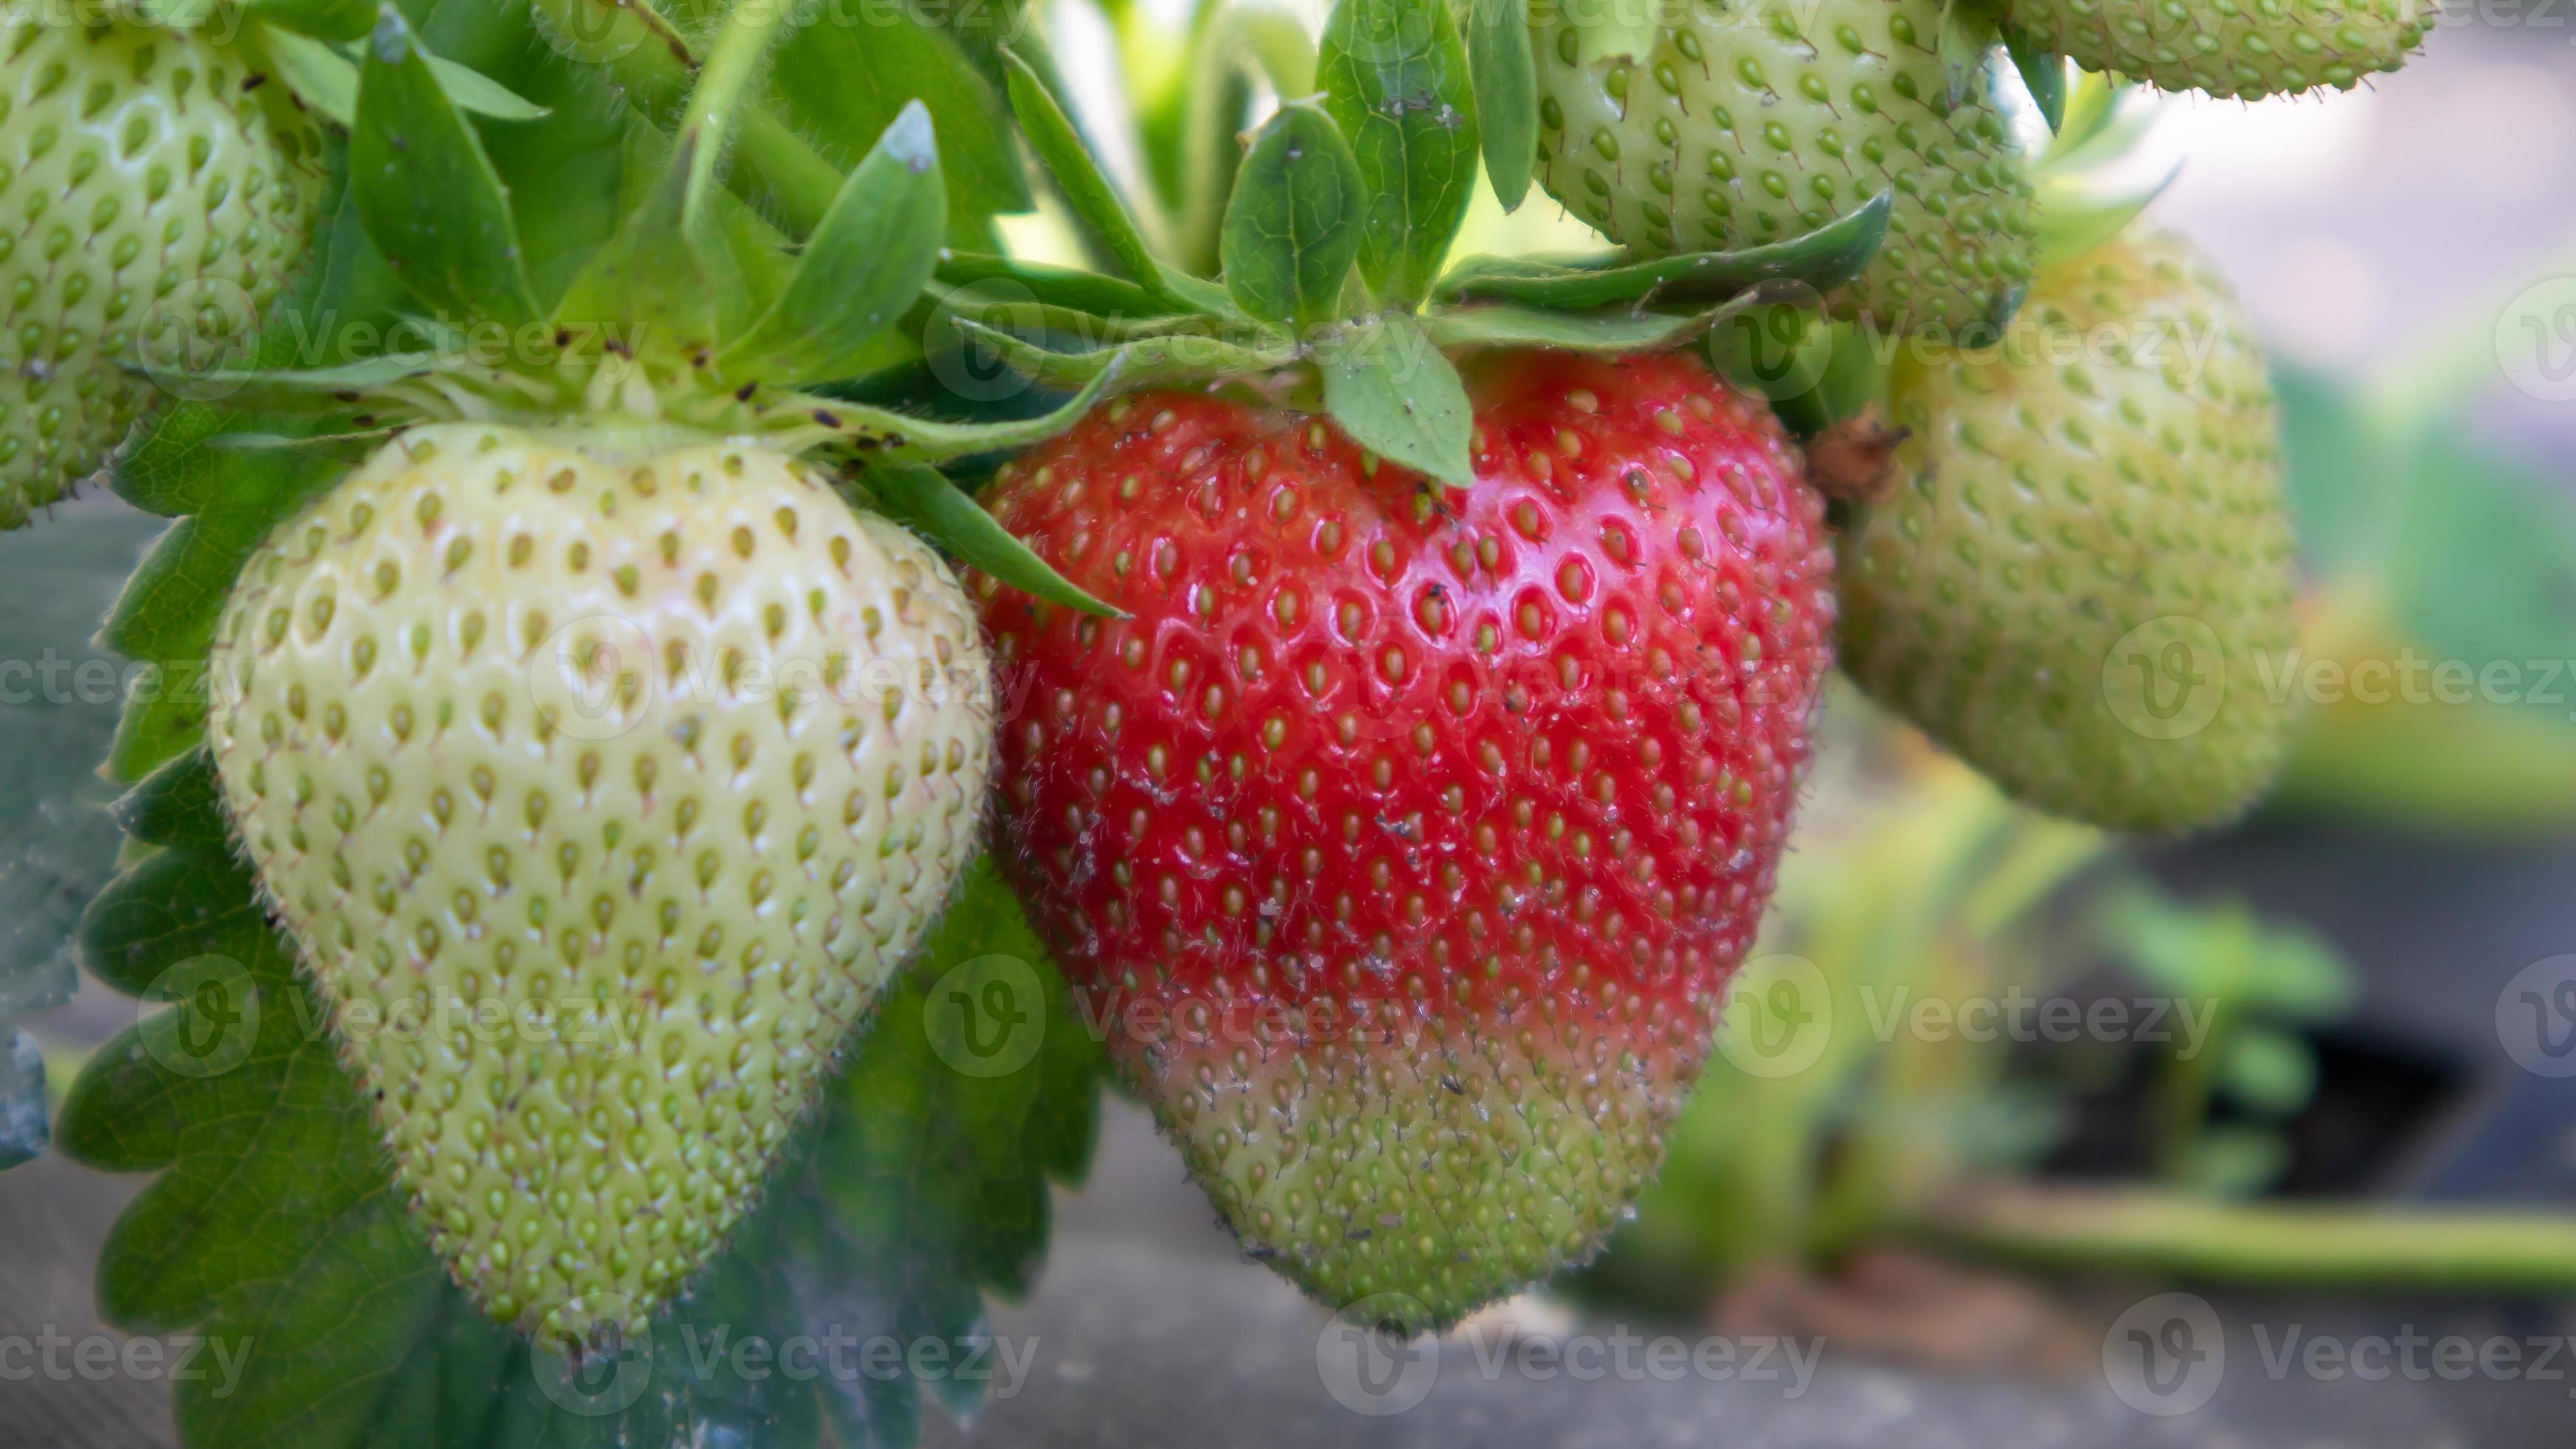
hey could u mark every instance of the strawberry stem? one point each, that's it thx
(1231, 41)
(749, 31)
(643, 56)
(2306, 1245)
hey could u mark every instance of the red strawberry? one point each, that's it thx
(1404, 840)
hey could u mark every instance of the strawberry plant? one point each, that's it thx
(668, 572)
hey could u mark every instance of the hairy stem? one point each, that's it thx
(749, 30)
(652, 63)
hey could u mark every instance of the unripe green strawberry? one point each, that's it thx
(650, 735)
(1743, 124)
(2248, 48)
(155, 195)
(2087, 567)
(1407, 837)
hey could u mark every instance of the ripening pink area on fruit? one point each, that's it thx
(1366, 741)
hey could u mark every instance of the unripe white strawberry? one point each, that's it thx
(2244, 48)
(153, 197)
(600, 778)
(1722, 126)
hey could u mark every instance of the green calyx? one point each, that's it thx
(1335, 279)
(693, 316)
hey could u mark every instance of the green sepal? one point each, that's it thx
(1966, 40)
(2079, 211)
(1065, 287)
(298, 390)
(2043, 74)
(1095, 201)
(1394, 392)
(326, 81)
(994, 306)
(1395, 80)
(1505, 75)
(2105, 122)
(426, 192)
(658, 282)
(1292, 227)
(337, 20)
(322, 78)
(1607, 334)
(2090, 106)
(922, 499)
(861, 270)
(1140, 363)
(1823, 259)
(475, 92)
(902, 437)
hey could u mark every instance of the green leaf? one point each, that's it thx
(166, 616)
(862, 268)
(273, 1226)
(919, 498)
(1094, 200)
(1394, 392)
(1395, 80)
(1823, 259)
(842, 80)
(427, 193)
(1506, 80)
(2043, 73)
(2272, 1073)
(1292, 228)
